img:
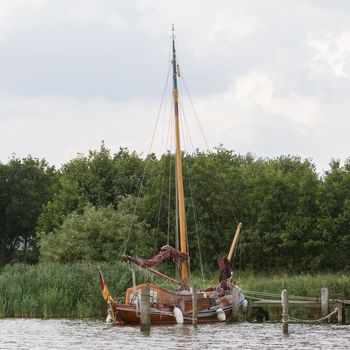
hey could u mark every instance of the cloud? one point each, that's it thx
(267, 77)
(332, 54)
(253, 117)
(57, 128)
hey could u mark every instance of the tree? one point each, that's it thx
(97, 234)
(99, 179)
(283, 213)
(25, 186)
(333, 226)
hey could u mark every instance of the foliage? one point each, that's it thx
(100, 179)
(98, 234)
(25, 186)
(333, 228)
(293, 218)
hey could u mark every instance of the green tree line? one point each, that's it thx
(100, 205)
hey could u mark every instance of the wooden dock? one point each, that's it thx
(331, 309)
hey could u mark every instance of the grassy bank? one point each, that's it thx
(56, 290)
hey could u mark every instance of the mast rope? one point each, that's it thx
(162, 186)
(184, 158)
(194, 111)
(145, 166)
(191, 191)
(200, 126)
(170, 181)
(195, 220)
(164, 164)
(294, 319)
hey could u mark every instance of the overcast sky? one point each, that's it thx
(269, 77)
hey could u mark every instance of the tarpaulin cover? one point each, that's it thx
(225, 275)
(165, 252)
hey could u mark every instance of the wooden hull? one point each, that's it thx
(130, 315)
(162, 305)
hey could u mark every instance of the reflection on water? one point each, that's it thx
(92, 334)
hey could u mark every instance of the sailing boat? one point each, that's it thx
(214, 304)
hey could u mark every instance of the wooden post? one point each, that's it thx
(340, 313)
(324, 302)
(235, 304)
(285, 311)
(248, 315)
(194, 305)
(145, 318)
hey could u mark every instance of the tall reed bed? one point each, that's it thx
(297, 284)
(72, 290)
(57, 290)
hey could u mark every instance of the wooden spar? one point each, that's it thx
(130, 259)
(234, 242)
(163, 276)
(179, 181)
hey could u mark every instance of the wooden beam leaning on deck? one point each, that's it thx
(130, 260)
(163, 276)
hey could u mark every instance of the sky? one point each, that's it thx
(269, 77)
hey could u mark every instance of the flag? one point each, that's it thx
(104, 289)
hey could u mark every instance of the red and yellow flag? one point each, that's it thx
(104, 289)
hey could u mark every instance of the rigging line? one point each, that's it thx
(185, 160)
(187, 128)
(195, 221)
(145, 167)
(170, 179)
(240, 257)
(194, 111)
(163, 170)
(162, 183)
(167, 94)
(192, 200)
(234, 215)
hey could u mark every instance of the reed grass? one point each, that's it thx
(72, 290)
(57, 290)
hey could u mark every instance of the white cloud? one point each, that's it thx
(332, 53)
(58, 128)
(268, 77)
(252, 117)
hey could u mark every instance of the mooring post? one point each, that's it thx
(285, 310)
(235, 303)
(194, 305)
(248, 315)
(145, 318)
(324, 303)
(340, 313)
(344, 314)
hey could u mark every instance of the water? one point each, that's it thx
(92, 334)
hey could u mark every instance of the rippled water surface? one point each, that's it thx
(78, 334)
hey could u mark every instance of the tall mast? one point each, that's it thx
(179, 181)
